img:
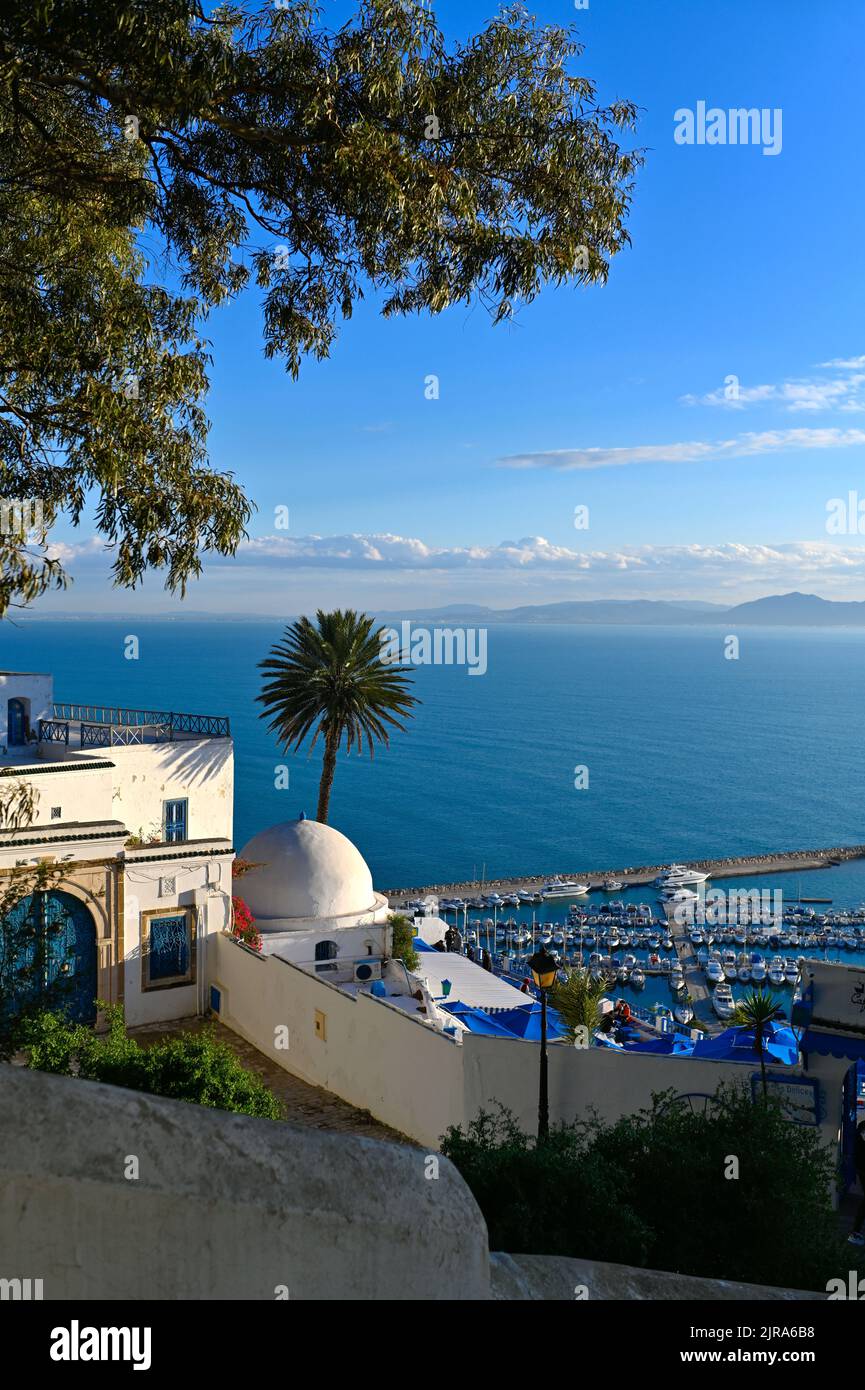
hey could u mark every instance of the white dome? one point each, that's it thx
(307, 870)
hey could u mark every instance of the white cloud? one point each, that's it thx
(744, 445)
(845, 363)
(842, 393)
(385, 552)
(789, 564)
(279, 574)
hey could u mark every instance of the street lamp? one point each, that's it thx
(543, 967)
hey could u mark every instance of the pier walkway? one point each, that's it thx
(742, 866)
(701, 999)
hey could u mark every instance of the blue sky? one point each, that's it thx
(743, 264)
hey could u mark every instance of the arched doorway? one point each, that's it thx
(17, 722)
(48, 956)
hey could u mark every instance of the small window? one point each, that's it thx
(167, 950)
(215, 999)
(56, 812)
(174, 820)
(325, 956)
(321, 1025)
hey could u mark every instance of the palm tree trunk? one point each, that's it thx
(328, 768)
(763, 1066)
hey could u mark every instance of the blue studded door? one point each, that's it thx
(48, 956)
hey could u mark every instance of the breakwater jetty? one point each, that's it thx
(637, 876)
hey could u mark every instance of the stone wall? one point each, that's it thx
(223, 1206)
(560, 1279)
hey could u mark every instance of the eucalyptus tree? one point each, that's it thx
(159, 156)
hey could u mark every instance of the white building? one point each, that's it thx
(133, 812)
(310, 891)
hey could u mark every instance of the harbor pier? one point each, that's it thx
(740, 866)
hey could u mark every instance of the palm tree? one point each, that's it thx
(577, 999)
(328, 678)
(757, 1010)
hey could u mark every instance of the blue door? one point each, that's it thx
(175, 821)
(17, 723)
(48, 956)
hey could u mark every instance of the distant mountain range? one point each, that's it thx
(776, 610)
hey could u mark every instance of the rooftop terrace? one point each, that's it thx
(107, 726)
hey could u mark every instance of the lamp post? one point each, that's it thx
(543, 967)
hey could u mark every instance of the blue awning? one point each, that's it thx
(476, 1020)
(738, 1045)
(525, 1022)
(833, 1045)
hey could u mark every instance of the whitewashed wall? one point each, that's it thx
(81, 794)
(202, 770)
(211, 903)
(35, 688)
(140, 779)
(407, 1075)
(419, 1081)
(351, 942)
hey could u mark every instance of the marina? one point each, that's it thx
(649, 946)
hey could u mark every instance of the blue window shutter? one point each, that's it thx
(175, 814)
(169, 947)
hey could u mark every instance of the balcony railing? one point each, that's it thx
(109, 717)
(53, 731)
(115, 735)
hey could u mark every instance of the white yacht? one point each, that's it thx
(612, 885)
(723, 1002)
(714, 971)
(563, 888)
(776, 971)
(677, 896)
(680, 876)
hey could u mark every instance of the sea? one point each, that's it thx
(579, 749)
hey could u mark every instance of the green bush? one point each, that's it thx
(190, 1066)
(653, 1190)
(553, 1198)
(402, 938)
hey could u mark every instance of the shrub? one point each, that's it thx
(402, 947)
(194, 1067)
(553, 1198)
(653, 1190)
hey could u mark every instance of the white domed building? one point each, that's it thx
(310, 892)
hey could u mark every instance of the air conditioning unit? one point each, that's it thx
(366, 970)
